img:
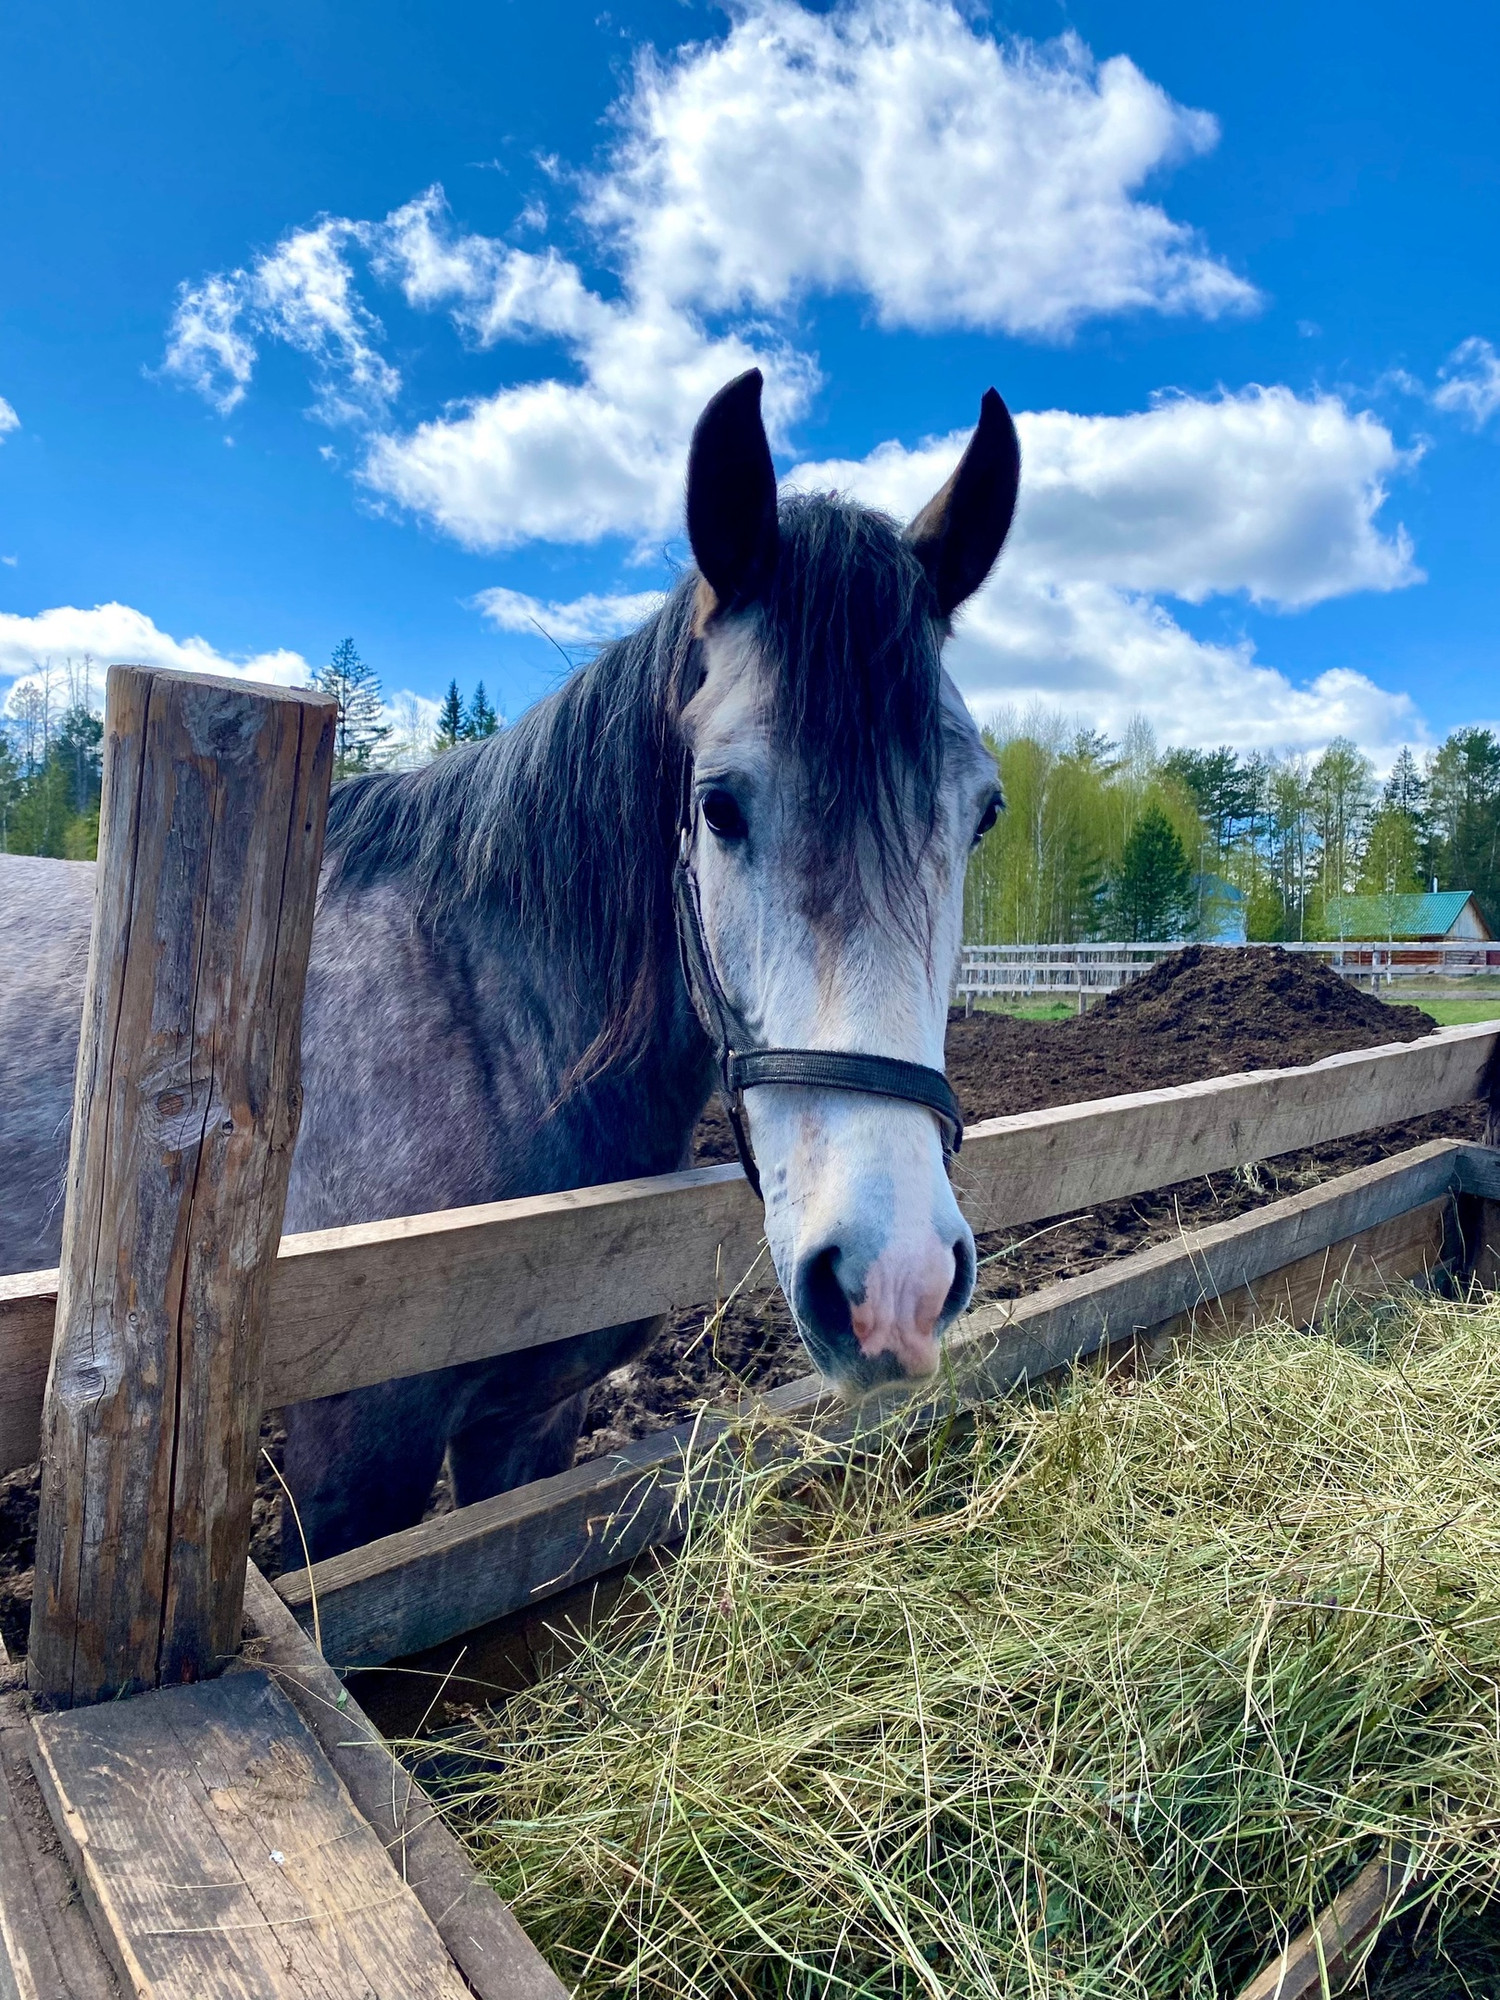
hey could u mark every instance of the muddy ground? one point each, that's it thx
(1204, 1012)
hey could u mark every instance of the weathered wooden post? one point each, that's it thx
(185, 1113)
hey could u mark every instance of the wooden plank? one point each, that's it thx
(484, 1940)
(48, 1950)
(1408, 1247)
(415, 1589)
(28, 1314)
(185, 1114)
(1322, 1958)
(355, 1306)
(220, 1856)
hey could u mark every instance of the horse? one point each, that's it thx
(501, 998)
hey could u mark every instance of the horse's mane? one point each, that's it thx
(568, 819)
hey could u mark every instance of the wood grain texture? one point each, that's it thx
(418, 1588)
(354, 1306)
(1322, 1958)
(185, 1114)
(484, 1940)
(220, 1856)
(48, 1950)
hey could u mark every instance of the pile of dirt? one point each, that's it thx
(1205, 1011)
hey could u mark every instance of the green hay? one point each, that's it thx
(1098, 1696)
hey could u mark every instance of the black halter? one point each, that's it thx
(742, 1067)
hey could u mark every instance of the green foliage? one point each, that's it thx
(49, 779)
(1043, 874)
(481, 720)
(457, 724)
(1151, 895)
(1463, 799)
(450, 725)
(361, 733)
(1292, 835)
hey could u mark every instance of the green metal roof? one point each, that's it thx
(1395, 916)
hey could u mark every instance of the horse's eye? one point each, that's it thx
(987, 820)
(722, 815)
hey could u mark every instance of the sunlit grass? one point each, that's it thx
(1098, 1696)
(1449, 1013)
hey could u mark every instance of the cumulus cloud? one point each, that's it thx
(889, 148)
(302, 293)
(1112, 654)
(896, 149)
(9, 421)
(115, 632)
(1263, 492)
(578, 621)
(45, 647)
(1469, 381)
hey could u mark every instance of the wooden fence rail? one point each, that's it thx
(413, 1590)
(359, 1305)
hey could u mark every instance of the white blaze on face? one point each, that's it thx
(869, 1244)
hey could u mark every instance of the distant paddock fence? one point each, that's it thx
(1083, 972)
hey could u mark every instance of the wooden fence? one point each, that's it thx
(144, 1368)
(363, 1304)
(1086, 971)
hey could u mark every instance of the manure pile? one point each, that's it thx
(1208, 1010)
(1100, 1698)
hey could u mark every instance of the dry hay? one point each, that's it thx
(1098, 1696)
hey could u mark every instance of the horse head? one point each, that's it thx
(835, 786)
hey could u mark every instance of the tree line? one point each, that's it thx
(1125, 841)
(51, 745)
(1099, 839)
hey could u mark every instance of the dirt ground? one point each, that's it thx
(1203, 1012)
(1206, 1011)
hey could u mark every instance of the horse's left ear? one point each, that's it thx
(959, 533)
(731, 493)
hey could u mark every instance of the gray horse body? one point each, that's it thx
(440, 1051)
(495, 1003)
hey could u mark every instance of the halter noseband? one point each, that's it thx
(741, 1067)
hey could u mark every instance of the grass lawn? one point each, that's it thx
(1035, 1010)
(1449, 1013)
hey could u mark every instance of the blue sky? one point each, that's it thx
(323, 319)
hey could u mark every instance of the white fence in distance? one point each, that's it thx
(1086, 971)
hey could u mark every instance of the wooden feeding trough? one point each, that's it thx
(233, 1824)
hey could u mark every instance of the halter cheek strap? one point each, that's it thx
(741, 1068)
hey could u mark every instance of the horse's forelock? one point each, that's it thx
(852, 650)
(568, 817)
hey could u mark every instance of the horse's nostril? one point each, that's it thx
(964, 1272)
(822, 1302)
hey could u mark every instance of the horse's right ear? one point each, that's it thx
(959, 533)
(731, 493)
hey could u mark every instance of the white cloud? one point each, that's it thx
(887, 148)
(9, 421)
(1111, 654)
(579, 621)
(110, 633)
(565, 462)
(894, 149)
(1470, 381)
(303, 293)
(1263, 492)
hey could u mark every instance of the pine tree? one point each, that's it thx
(1152, 893)
(450, 723)
(360, 734)
(481, 720)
